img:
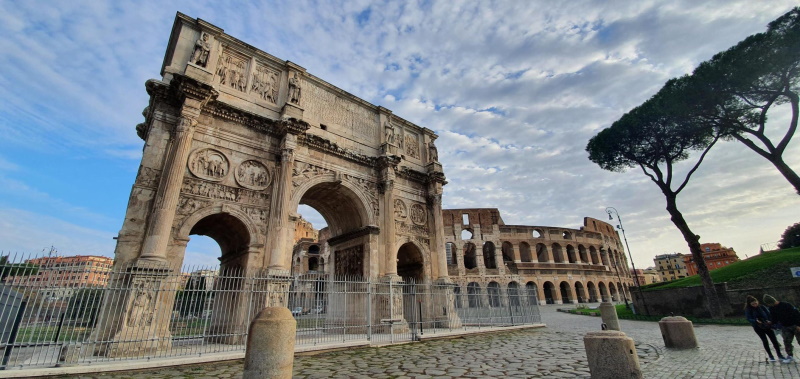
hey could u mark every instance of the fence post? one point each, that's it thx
(12, 339)
(369, 310)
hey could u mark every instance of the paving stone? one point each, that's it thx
(555, 351)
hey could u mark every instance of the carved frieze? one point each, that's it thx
(141, 303)
(265, 83)
(252, 174)
(188, 205)
(222, 192)
(257, 214)
(349, 261)
(232, 70)
(419, 215)
(400, 210)
(209, 164)
(148, 177)
(304, 171)
(411, 145)
(407, 228)
(329, 147)
(422, 240)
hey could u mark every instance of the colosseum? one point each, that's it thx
(559, 265)
(486, 257)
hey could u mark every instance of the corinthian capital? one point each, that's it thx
(185, 124)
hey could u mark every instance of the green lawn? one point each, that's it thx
(626, 314)
(763, 270)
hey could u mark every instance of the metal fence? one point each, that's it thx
(69, 312)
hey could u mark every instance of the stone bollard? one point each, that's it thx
(270, 345)
(611, 354)
(678, 332)
(609, 315)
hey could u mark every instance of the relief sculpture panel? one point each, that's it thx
(252, 174)
(265, 83)
(222, 192)
(400, 210)
(418, 214)
(232, 70)
(412, 146)
(304, 171)
(209, 164)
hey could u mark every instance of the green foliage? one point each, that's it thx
(84, 306)
(773, 265)
(191, 301)
(624, 313)
(15, 269)
(790, 237)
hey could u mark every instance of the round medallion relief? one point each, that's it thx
(400, 210)
(209, 164)
(252, 174)
(418, 214)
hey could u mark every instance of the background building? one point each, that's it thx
(670, 266)
(647, 276)
(715, 255)
(58, 277)
(304, 230)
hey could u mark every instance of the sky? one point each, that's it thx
(514, 89)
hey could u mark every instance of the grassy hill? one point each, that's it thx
(764, 270)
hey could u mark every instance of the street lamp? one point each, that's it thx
(616, 268)
(610, 210)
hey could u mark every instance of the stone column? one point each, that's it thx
(437, 242)
(387, 166)
(279, 212)
(165, 203)
(169, 189)
(498, 259)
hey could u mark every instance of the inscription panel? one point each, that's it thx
(352, 119)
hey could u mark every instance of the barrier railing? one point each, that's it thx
(59, 311)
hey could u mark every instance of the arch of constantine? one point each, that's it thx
(235, 140)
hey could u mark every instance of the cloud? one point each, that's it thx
(514, 90)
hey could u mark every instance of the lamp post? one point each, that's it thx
(611, 210)
(616, 268)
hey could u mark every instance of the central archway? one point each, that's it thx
(349, 215)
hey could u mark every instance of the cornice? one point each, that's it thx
(367, 230)
(324, 145)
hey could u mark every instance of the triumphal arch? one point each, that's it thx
(236, 139)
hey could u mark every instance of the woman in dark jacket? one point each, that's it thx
(758, 315)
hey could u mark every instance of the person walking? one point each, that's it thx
(758, 316)
(788, 317)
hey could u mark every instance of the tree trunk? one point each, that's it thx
(787, 172)
(694, 246)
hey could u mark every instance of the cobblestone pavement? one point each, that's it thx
(553, 352)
